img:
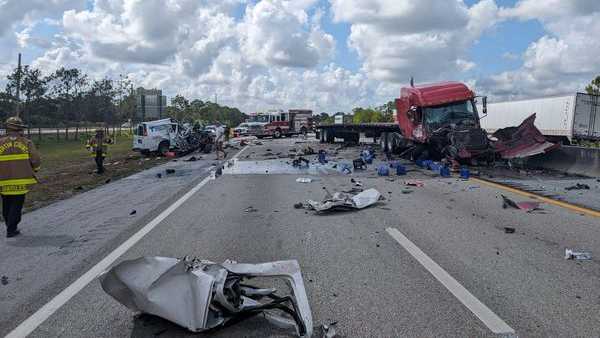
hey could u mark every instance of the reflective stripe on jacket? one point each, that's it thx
(94, 149)
(18, 160)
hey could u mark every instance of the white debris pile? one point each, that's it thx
(341, 201)
(202, 295)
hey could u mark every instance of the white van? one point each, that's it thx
(156, 136)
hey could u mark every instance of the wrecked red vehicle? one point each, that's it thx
(440, 120)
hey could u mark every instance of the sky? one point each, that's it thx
(325, 55)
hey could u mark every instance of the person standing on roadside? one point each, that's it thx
(18, 161)
(98, 147)
(219, 140)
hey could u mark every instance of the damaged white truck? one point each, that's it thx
(167, 135)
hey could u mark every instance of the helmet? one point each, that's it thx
(15, 123)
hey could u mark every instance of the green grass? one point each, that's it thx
(67, 167)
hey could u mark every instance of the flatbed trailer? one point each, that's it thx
(350, 132)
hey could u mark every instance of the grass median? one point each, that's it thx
(68, 169)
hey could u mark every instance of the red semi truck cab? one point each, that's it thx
(423, 109)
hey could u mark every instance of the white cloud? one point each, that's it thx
(428, 39)
(273, 33)
(563, 60)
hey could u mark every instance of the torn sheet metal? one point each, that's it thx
(201, 295)
(525, 205)
(340, 201)
(522, 141)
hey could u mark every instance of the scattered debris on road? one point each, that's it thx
(328, 330)
(356, 182)
(133, 212)
(250, 209)
(304, 180)
(107, 181)
(159, 175)
(201, 295)
(341, 201)
(4, 280)
(170, 171)
(577, 255)
(509, 230)
(193, 159)
(414, 183)
(578, 186)
(526, 205)
(301, 162)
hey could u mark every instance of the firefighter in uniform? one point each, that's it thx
(98, 147)
(18, 161)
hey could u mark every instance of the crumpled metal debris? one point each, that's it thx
(340, 201)
(577, 255)
(526, 205)
(201, 295)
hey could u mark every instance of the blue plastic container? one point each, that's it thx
(367, 156)
(322, 156)
(394, 164)
(435, 167)
(445, 171)
(383, 170)
(400, 170)
(464, 173)
(420, 163)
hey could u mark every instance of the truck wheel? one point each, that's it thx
(277, 134)
(163, 147)
(145, 152)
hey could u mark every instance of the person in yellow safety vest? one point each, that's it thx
(18, 161)
(98, 147)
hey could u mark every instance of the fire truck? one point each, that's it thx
(280, 124)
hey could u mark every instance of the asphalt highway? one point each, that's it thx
(432, 262)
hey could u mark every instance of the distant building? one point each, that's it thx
(150, 104)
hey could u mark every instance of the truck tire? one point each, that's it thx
(163, 147)
(277, 133)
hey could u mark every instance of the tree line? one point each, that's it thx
(205, 112)
(69, 97)
(66, 97)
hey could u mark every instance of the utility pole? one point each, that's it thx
(18, 108)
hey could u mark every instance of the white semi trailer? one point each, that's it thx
(562, 119)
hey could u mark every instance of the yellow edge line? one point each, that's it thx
(561, 204)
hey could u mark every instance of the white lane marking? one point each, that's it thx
(36, 319)
(489, 318)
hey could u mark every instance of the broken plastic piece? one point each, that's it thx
(577, 255)
(201, 295)
(509, 230)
